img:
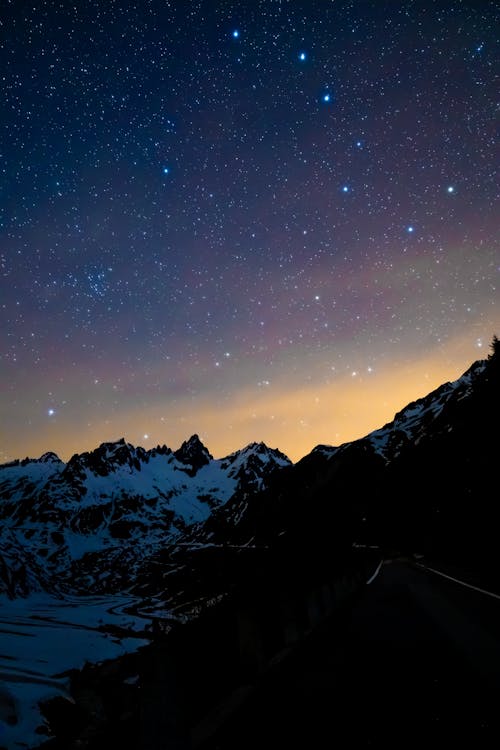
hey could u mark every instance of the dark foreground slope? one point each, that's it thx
(411, 664)
(442, 493)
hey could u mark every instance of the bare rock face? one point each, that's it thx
(193, 455)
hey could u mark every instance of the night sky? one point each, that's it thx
(268, 220)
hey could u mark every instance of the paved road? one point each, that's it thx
(414, 664)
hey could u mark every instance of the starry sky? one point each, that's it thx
(268, 220)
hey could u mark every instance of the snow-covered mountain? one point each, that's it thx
(163, 534)
(102, 521)
(88, 524)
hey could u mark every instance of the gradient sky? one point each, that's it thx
(267, 220)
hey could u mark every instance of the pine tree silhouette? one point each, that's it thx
(495, 348)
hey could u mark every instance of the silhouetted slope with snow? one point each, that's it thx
(423, 480)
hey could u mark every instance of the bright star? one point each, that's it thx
(345, 189)
(51, 412)
(166, 170)
(236, 34)
(146, 436)
(450, 189)
(410, 229)
(326, 97)
(358, 144)
(302, 56)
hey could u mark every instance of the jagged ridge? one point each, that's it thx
(89, 524)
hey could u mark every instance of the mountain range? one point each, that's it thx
(97, 522)
(107, 553)
(89, 524)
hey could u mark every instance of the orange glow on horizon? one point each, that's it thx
(292, 419)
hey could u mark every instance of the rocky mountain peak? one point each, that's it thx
(193, 454)
(264, 450)
(106, 458)
(50, 458)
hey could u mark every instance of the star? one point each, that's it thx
(214, 178)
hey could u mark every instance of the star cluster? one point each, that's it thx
(271, 220)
